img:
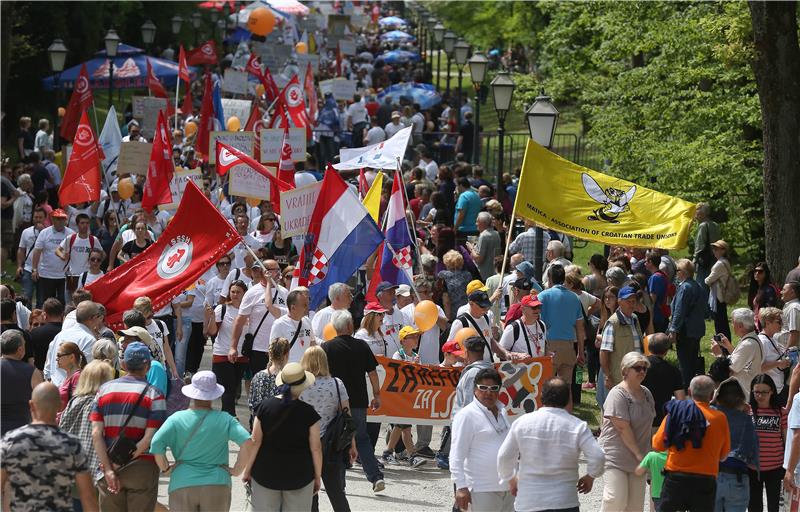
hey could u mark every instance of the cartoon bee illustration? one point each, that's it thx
(614, 201)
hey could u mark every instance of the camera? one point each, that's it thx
(717, 338)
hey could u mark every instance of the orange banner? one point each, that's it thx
(420, 394)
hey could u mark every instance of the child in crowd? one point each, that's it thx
(654, 463)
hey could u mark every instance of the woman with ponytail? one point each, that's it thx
(70, 359)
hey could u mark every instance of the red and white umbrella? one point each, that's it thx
(289, 7)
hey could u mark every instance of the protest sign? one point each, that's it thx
(245, 182)
(297, 205)
(145, 111)
(419, 394)
(272, 140)
(235, 82)
(347, 46)
(341, 88)
(303, 59)
(134, 157)
(242, 141)
(178, 185)
(238, 108)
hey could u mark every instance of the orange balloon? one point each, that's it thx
(233, 124)
(125, 188)
(61, 111)
(259, 90)
(253, 201)
(301, 47)
(329, 332)
(425, 315)
(646, 345)
(190, 128)
(261, 21)
(463, 334)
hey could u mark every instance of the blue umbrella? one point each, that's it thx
(397, 35)
(399, 57)
(423, 94)
(392, 21)
(238, 35)
(130, 71)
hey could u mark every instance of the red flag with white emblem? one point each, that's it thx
(286, 164)
(205, 54)
(191, 243)
(229, 157)
(311, 93)
(81, 181)
(79, 102)
(161, 168)
(183, 67)
(291, 99)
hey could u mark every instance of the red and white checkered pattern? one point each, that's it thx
(402, 258)
(319, 269)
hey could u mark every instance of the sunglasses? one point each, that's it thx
(96, 260)
(759, 271)
(59, 356)
(483, 387)
(223, 263)
(639, 368)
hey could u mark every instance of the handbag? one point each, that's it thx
(122, 449)
(247, 345)
(339, 434)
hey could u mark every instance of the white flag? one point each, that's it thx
(110, 141)
(382, 155)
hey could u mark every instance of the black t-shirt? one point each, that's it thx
(132, 249)
(40, 339)
(39, 177)
(467, 132)
(350, 359)
(662, 379)
(284, 459)
(7, 191)
(283, 254)
(25, 334)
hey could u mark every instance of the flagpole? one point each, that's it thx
(389, 246)
(508, 242)
(413, 231)
(177, 91)
(255, 256)
(94, 112)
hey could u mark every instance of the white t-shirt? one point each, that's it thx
(431, 170)
(482, 323)
(253, 306)
(236, 274)
(392, 323)
(428, 349)
(159, 338)
(88, 278)
(50, 265)
(536, 337)
(321, 319)
(374, 135)
(78, 253)
(26, 242)
(213, 289)
(239, 251)
(285, 327)
(196, 312)
(223, 342)
(587, 300)
(391, 128)
(357, 112)
(73, 215)
(376, 343)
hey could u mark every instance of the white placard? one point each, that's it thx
(341, 88)
(245, 182)
(235, 82)
(297, 205)
(178, 185)
(134, 157)
(238, 108)
(243, 141)
(304, 58)
(145, 110)
(347, 46)
(272, 139)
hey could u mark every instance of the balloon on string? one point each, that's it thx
(253, 201)
(261, 21)
(125, 188)
(301, 48)
(259, 90)
(329, 332)
(425, 315)
(190, 128)
(234, 124)
(463, 334)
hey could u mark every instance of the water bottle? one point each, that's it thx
(579, 374)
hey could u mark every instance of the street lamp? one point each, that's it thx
(430, 22)
(438, 35)
(226, 11)
(502, 92)
(112, 45)
(197, 19)
(542, 118)
(177, 21)
(148, 33)
(57, 55)
(461, 51)
(449, 41)
(477, 70)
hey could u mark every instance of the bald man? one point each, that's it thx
(40, 462)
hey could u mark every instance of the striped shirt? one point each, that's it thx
(770, 426)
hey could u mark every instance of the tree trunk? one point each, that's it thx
(777, 71)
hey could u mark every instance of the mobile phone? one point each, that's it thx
(717, 338)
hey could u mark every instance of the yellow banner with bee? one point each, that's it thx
(566, 197)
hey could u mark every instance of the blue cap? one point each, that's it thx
(527, 269)
(385, 285)
(137, 355)
(626, 292)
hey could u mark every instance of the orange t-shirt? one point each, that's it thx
(704, 460)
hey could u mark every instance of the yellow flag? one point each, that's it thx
(373, 198)
(590, 205)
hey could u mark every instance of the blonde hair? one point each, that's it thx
(769, 315)
(371, 322)
(685, 265)
(279, 349)
(630, 360)
(315, 360)
(94, 375)
(143, 305)
(453, 260)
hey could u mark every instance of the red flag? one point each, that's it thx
(254, 124)
(270, 86)
(192, 242)
(81, 181)
(371, 294)
(255, 116)
(206, 125)
(278, 119)
(161, 168)
(183, 68)
(205, 54)
(338, 61)
(229, 157)
(286, 165)
(153, 84)
(311, 93)
(79, 102)
(363, 186)
(187, 107)
(254, 65)
(294, 105)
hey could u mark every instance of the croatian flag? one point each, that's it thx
(340, 238)
(396, 261)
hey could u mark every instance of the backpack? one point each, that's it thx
(666, 310)
(731, 291)
(72, 242)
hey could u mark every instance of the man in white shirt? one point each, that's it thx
(479, 318)
(539, 457)
(42, 142)
(554, 256)
(341, 297)
(357, 118)
(262, 304)
(375, 134)
(393, 319)
(525, 336)
(790, 333)
(431, 167)
(418, 123)
(47, 268)
(215, 283)
(84, 333)
(295, 326)
(25, 252)
(241, 224)
(395, 126)
(75, 249)
(478, 432)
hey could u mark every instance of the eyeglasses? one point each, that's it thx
(59, 356)
(96, 260)
(759, 271)
(483, 387)
(762, 392)
(640, 368)
(223, 263)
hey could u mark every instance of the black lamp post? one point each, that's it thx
(438, 34)
(112, 45)
(148, 34)
(449, 43)
(197, 19)
(502, 92)
(177, 21)
(431, 22)
(57, 55)
(477, 70)
(461, 51)
(542, 118)
(226, 11)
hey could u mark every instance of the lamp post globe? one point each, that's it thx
(148, 33)
(112, 46)
(477, 70)
(57, 56)
(177, 21)
(542, 117)
(502, 92)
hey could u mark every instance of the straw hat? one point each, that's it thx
(294, 376)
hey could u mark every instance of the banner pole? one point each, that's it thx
(413, 226)
(177, 89)
(508, 242)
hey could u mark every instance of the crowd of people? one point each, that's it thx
(89, 414)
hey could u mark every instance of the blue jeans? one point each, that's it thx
(182, 345)
(733, 492)
(600, 391)
(366, 452)
(28, 286)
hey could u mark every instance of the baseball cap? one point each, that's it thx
(626, 292)
(395, 114)
(58, 212)
(407, 331)
(404, 290)
(527, 269)
(530, 301)
(257, 264)
(385, 285)
(139, 332)
(523, 283)
(137, 355)
(476, 285)
(374, 307)
(453, 347)
(480, 298)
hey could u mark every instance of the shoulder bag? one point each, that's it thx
(247, 346)
(122, 449)
(339, 434)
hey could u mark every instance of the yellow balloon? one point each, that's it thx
(464, 333)
(190, 128)
(646, 345)
(234, 124)
(259, 90)
(253, 201)
(301, 47)
(425, 315)
(329, 332)
(125, 188)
